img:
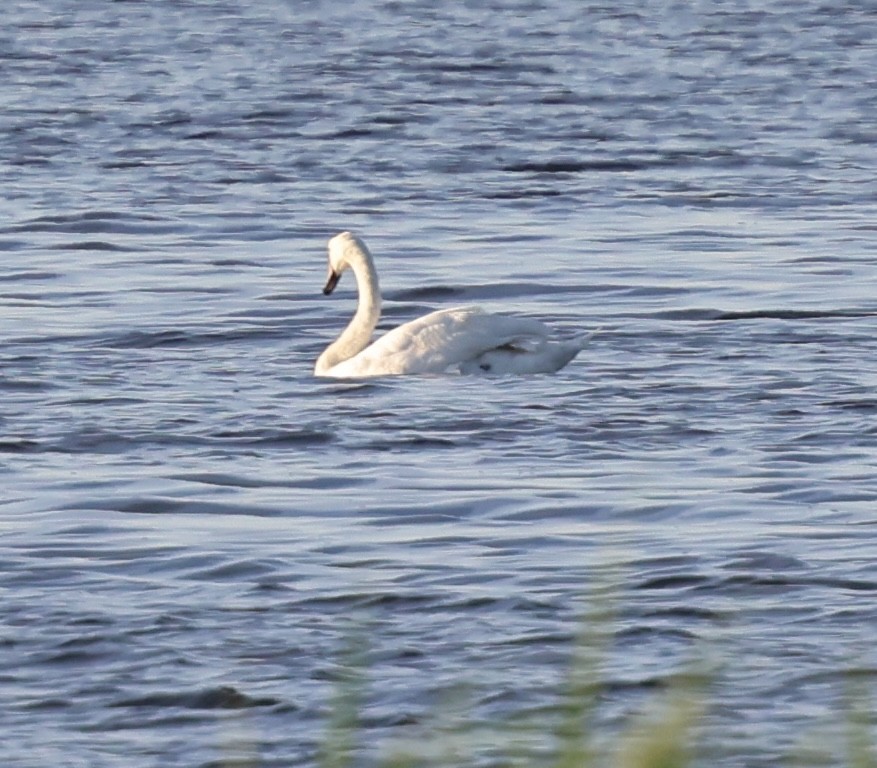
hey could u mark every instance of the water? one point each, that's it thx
(192, 523)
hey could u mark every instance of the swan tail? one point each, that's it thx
(566, 351)
(582, 340)
(515, 358)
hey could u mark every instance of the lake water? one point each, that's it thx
(193, 525)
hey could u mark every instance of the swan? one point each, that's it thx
(466, 338)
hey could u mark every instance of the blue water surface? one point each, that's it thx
(193, 526)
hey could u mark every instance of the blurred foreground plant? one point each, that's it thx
(664, 736)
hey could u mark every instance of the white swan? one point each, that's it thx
(464, 337)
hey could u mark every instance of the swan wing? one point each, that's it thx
(439, 340)
(546, 358)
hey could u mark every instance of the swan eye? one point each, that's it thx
(485, 367)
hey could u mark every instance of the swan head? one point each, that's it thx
(345, 250)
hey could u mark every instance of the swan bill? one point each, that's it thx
(331, 282)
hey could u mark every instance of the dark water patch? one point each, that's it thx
(364, 388)
(82, 649)
(192, 290)
(82, 547)
(753, 585)
(360, 132)
(652, 683)
(155, 722)
(277, 438)
(26, 385)
(237, 263)
(91, 439)
(168, 118)
(18, 445)
(94, 245)
(492, 291)
(396, 601)
(700, 314)
(124, 165)
(707, 235)
(208, 133)
(847, 585)
(53, 576)
(538, 639)
(411, 443)
(234, 571)
(687, 613)
(638, 291)
(430, 63)
(770, 561)
(219, 697)
(254, 176)
(81, 642)
(328, 604)
(52, 704)
(829, 496)
(822, 259)
(528, 193)
(271, 116)
(645, 633)
(108, 401)
(779, 583)
(782, 453)
(29, 275)
(90, 222)
(675, 581)
(182, 339)
(421, 514)
(54, 299)
(96, 532)
(769, 488)
(400, 118)
(222, 480)
(525, 193)
(865, 405)
(75, 657)
(498, 236)
(796, 314)
(331, 482)
(427, 293)
(271, 587)
(163, 505)
(575, 166)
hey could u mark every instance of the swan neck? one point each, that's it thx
(368, 309)
(358, 333)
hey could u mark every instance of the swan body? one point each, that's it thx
(466, 338)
